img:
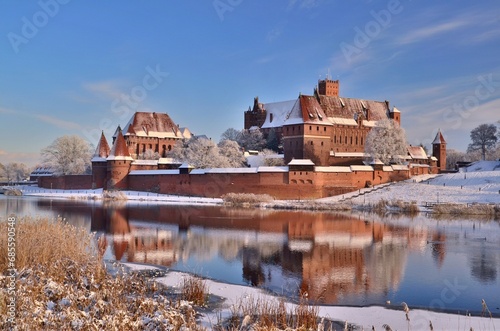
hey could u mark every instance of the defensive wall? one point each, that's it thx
(280, 182)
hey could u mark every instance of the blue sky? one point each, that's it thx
(79, 67)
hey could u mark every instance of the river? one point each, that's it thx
(338, 259)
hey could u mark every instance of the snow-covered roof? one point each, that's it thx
(417, 152)
(301, 162)
(387, 168)
(231, 170)
(370, 124)
(333, 169)
(439, 139)
(98, 159)
(154, 172)
(167, 160)
(361, 168)
(272, 169)
(433, 158)
(348, 154)
(145, 162)
(395, 110)
(119, 158)
(186, 166)
(397, 167)
(376, 161)
(276, 113)
(343, 121)
(417, 165)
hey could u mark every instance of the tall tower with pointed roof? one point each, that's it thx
(99, 163)
(439, 150)
(118, 162)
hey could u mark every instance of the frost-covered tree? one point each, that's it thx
(251, 140)
(230, 134)
(14, 172)
(271, 158)
(204, 153)
(483, 139)
(67, 155)
(232, 152)
(453, 156)
(149, 154)
(386, 142)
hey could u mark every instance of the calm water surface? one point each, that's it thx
(339, 259)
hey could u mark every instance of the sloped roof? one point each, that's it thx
(439, 138)
(102, 150)
(276, 113)
(151, 124)
(119, 151)
(334, 106)
(417, 152)
(307, 110)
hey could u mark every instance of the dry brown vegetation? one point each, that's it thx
(62, 284)
(273, 314)
(463, 209)
(384, 206)
(246, 199)
(195, 290)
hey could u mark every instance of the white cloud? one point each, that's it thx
(108, 89)
(431, 31)
(67, 125)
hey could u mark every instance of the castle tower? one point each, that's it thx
(439, 150)
(328, 87)
(118, 164)
(99, 165)
(395, 115)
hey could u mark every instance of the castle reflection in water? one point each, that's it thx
(330, 256)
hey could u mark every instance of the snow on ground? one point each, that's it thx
(480, 183)
(136, 196)
(365, 317)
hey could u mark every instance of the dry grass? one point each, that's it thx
(462, 209)
(113, 195)
(13, 192)
(273, 314)
(313, 205)
(195, 290)
(383, 206)
(62, 285)
(246, 199)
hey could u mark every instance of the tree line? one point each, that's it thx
(69, 155)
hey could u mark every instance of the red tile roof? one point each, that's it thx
(150, 124)
(334, 106)
(102, 149)
(119, 147)
(439, 138)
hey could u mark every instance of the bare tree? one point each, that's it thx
(230, 134)
(14, 172)
(232, 152)
(483, 139)
(386, 142)
(67, 155)
(271, 158)
(204, 153)
(251, 139)
(149, 154)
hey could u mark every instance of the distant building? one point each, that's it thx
(151, 131)
(326, 128)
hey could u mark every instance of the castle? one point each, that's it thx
(331, 130)
(323, 139)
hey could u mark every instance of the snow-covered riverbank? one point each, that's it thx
(363, 317)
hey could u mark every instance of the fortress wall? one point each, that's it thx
(68, 182)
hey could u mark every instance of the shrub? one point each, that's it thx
(240, 199)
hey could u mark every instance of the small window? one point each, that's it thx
(271, 117)
(317, 128)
